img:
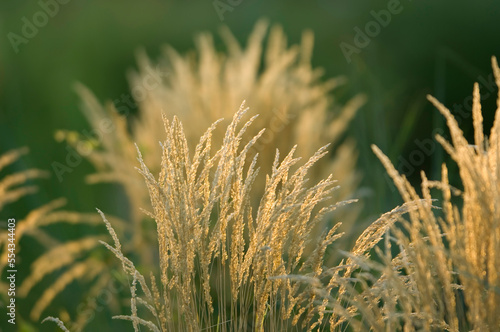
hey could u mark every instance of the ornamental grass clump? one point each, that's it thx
(439, 270)
(295, 104)
(456, 264)
(227, 266)
(220, 259)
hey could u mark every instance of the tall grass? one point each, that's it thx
(224, 265)
(295, 104)
(235, 228)
(439, 270)
(214, 246)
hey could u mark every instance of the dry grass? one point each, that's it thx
(238, 251)
(226, 266)
(295, 105)
(62, 261)
(294, 102)
(278, 82)
(12, 188)
(446, 273)
(214, 246)
(59, 323)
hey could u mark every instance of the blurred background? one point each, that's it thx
(428, 47)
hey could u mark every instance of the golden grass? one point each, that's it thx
(277, 81)
(213, 244)
(61, 260)
(238, 251)
(226, 266)
(445, 275)
(295, 105)
(293, 101)
(10, 189)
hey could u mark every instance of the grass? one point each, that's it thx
(202, 87)
(439, 269)
(236, 223)
(211, 240)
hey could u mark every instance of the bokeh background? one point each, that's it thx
(431, 47)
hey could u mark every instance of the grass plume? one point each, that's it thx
(214, 245)
(439, 270)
